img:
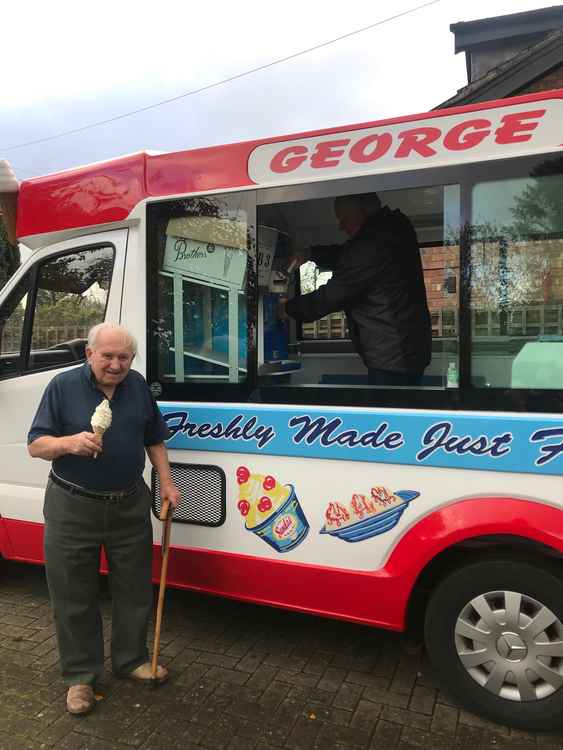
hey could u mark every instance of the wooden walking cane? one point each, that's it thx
(166, 513)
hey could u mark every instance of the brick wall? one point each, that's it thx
(541, 296)
(552, 80)
(440, 264)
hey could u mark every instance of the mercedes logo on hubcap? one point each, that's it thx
(511, 647)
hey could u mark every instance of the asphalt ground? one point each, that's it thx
(243, 677)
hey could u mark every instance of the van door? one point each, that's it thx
(45, 314)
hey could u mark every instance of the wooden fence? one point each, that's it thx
(43, 336)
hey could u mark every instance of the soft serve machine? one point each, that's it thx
(276, 355)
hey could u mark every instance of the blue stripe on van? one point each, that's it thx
(518, 443)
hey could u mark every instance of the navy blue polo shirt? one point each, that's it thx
(67, 407)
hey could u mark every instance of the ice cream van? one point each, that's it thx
(304, 485)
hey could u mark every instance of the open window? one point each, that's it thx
(324, 352)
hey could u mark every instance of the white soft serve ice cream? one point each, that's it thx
(101, 418)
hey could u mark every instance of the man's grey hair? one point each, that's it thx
(369, 202)
(95, 331)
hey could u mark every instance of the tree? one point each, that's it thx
(517, 264)
(539, 210)
(9, 256)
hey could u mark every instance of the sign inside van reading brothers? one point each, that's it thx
(207, 248)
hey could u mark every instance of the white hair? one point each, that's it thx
(95, 331)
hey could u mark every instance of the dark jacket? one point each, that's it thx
(378, 281)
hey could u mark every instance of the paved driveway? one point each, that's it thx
(244, 677)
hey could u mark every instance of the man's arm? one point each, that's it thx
(159, 459)
(45, 439)
(325, 256)
(49, 448)
(358, 272)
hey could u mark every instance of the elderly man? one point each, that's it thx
(96, 498)
(378, 281)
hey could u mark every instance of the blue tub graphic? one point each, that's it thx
(287, 527)
(374, 525)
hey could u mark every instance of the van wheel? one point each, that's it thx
(494, 633)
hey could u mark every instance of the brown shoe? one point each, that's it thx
(143, 673)
(79, 699)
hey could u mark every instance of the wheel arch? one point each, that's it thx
(468, 529)
(472, 549)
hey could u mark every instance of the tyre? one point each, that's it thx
(494, 634)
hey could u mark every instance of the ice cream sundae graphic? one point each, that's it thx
(366, 515)
(271, 510)
(101, 419)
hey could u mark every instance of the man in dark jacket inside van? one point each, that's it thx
(377, 280)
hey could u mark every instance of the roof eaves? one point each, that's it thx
(513, 74)
(470, 33)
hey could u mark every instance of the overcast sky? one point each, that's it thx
(69, 64)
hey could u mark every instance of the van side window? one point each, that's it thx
(517, 281)
(202, 271)
(59, 299)
(72, 294)
(376, 305)
(12, 317)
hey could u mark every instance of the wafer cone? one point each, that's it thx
(100, 432)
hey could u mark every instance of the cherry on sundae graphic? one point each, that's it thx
(271, 510)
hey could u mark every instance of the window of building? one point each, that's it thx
(516, 287)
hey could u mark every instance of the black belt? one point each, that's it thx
(101, 495)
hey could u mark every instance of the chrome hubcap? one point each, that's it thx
(511, 644)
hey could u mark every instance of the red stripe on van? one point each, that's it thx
(377, 597)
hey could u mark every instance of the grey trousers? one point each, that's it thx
(76, 528)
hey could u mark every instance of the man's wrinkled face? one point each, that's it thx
(351, 218)
(110, 358)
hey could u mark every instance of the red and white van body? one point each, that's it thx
(474, 490)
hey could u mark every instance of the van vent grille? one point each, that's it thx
(202, 489)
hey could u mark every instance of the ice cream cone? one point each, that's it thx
(101, 419)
